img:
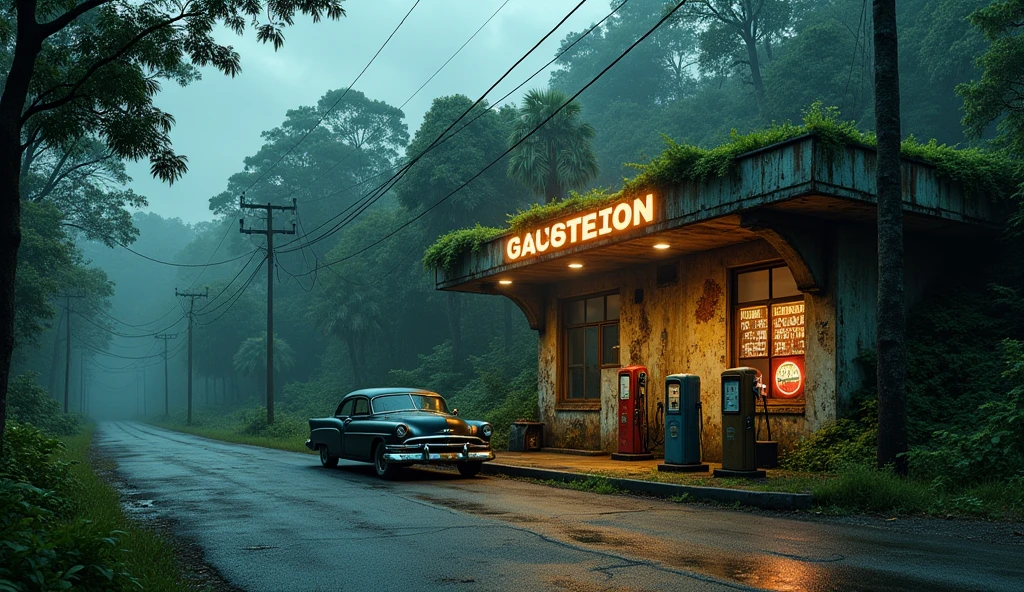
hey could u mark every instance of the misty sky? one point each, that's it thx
(219, 119)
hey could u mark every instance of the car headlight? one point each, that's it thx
(487, 430)
(401, 430)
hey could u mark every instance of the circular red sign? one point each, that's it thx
(789, 379)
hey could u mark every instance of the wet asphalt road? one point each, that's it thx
(276, 521)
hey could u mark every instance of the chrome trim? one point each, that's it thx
(437, 457)
(309, 444)
(440, 453)
(444, 439)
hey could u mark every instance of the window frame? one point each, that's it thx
(563, 400)
(775, 405)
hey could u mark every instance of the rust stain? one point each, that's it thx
(824, 336)
(641, 336)
(707, 304)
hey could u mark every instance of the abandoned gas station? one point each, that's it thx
(772, 267)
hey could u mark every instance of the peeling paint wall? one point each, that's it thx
(682, 327)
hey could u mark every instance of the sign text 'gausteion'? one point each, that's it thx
(582, 228)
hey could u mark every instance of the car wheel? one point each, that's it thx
(385, 470)
(326, 459)
(469, 469)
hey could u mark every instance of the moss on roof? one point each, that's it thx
(982, 172)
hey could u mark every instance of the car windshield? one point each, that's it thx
(409, 402)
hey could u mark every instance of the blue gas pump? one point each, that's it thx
(682, 424)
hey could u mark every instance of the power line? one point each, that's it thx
(514, 146)
(172, 264)
(324, 116)
(380, 190)
(406, 102)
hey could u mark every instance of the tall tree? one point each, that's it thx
(891, 329)
(558, 156)
(741, 34)
(356, 139)
(93, 67)
(998, 96)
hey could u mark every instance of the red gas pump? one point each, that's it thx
(632, 415)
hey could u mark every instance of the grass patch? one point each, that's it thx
(241, 426)
(862, 489)
(593, 484)
(148, 556)
(230, 435)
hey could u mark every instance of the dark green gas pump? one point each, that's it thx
(741, 390)
(682, 424)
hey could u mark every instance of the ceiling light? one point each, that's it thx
(575, 265)
(505, 282)
(662, 246)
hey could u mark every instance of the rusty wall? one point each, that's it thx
(682, 327)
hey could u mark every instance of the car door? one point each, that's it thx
(335, 443)
(357, 436)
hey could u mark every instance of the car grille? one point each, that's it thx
(443, 442)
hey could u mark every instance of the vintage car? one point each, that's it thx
(398, 427)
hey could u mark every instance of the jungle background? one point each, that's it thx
(375, 318)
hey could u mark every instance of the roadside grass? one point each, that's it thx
(228, 435)
(240, 427)
(148, 556)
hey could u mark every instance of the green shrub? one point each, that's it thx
(995, 447)
(32, 457)
(253, 422)
(865, 489)
(27, 402)
(40, 553)
(842, 443)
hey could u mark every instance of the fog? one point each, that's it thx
(351, 308)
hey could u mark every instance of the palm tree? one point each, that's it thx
(353, 318)
(251, 357)
(558, 157)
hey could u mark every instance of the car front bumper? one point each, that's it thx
(439, 453)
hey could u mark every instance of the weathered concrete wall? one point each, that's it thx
(681, 328)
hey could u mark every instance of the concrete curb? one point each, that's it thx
(769, 500)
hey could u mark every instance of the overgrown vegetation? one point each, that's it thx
(29, 403)
(63, 528)
(982, 172)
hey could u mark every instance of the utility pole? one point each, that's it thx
(191, 304)
(270, 232)
(165, 337)
(67, 350)
(81, 381)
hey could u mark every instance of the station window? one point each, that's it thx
(591, 338)
(768, 321)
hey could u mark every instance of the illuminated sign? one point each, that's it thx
(788, 377)
(581, 229)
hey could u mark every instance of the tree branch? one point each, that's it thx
(39, 108)
(68, 17)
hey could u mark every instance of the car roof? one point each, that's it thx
(390, 390)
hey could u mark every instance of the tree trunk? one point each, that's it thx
(755, 69)
(508, 324)
(56, 353)
(455, 325)
(353, 358)
(12, 104)
(552, 187)
(892, 370)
